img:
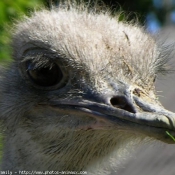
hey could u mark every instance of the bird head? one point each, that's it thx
(83, 77)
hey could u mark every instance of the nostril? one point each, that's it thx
(122, 103)
(118, 101)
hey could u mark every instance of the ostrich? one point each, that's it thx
(80, 91)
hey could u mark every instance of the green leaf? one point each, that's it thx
(170, 136)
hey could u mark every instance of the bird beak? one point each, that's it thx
(155, 121)
(151, 119)
(159, 122)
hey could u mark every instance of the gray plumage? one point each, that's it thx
(80, 92)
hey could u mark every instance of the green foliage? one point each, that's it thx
(10, 10)
(170, 136)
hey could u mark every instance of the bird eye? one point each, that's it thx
(44, 76)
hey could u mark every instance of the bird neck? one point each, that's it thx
(69, 152)
(60, 151)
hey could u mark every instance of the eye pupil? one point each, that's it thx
(45, 76)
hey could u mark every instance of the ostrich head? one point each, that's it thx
(80, 88)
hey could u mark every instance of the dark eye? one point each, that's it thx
(45, 76)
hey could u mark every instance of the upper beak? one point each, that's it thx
(152, 120)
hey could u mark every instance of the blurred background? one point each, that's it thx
(158, 18)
